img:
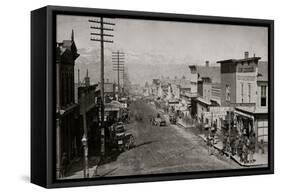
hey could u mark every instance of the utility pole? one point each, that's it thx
(118, 66)
(100, 38)
(84, 139)
(125, 80)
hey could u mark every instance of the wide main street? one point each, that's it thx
(165, 149)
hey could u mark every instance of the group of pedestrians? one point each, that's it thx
(211, 135)
(233, 143)
(243, 145)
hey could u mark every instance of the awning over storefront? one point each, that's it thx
(203, 101)
(244, 114)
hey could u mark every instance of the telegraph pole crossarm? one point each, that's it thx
(106, 23)
(98, 34)
(99, 37)
(99, 40)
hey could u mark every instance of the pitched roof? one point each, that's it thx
(263, 71)
(67, 44)
(204, 101)
(212, 72)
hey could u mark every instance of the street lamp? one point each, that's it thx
(85, 145)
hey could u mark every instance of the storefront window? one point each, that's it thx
(263, 130)
(263, 95)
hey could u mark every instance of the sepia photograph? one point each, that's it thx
(146, 97)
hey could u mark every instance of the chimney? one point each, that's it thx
(207, 63)
(246, 55)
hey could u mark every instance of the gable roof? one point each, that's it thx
(212, 72)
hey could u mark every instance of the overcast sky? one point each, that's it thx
(155, 48)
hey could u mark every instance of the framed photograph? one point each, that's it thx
(127, 96)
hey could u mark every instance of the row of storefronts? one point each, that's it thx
(243, 94)
(237, 87)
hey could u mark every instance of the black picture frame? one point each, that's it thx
(43, 44)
